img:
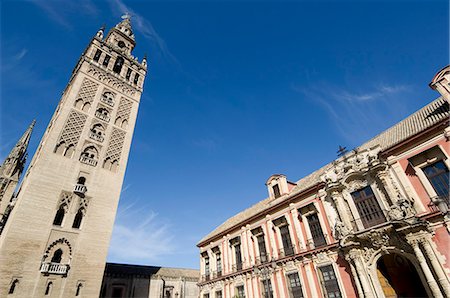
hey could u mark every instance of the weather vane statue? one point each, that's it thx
(126, 16)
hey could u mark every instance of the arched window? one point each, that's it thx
(108, 98)
(78, 218)
(60, 148)
(12, 288)
(79, 286)
(103, 114)
(81, 180)
(57, 256)
(118, 121)
(90, 152)
(59, 217)
(107, 163)
(69, 151)
(48, 290)
(79, 103)
(118, 65)
(86, 107)
(97, 132)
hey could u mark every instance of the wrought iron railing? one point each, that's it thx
(54, 268)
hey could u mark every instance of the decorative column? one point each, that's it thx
(426, 270)
(360, 273)
(338, 200)
(356, 279)
(441, 275)
(391, 190)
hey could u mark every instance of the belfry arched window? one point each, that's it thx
(78, 291)
(118, 65)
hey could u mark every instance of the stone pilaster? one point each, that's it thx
(426, 270)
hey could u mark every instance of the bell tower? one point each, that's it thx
(56, 239)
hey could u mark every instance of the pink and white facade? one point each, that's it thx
(373, 223)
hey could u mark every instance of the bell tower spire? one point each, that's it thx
(12, 168)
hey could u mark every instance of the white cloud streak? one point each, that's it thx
(356, 114)
(140, 236)
(144, 27)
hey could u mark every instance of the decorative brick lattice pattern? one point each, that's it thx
(87, 91)
(84, 202)
(115, 144)
(65, 198)
(124, 109)
(74, 126)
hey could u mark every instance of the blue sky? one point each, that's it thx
(236, 91)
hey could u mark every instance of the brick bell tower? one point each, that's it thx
(56, 239)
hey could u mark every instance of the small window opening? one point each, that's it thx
(136, 78)
(79, 286)
(78, 218)
(57, 256)
(81, 180)
(128, 75)
(59, 217)
(49, 288)
(118, 65)
(106, 60)
(276, 191)
(13, 286)
(97, 55)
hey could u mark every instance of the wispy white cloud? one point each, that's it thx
(355, 114)
(20, 54)
(145, 27)
(140, 236)
(60, 11)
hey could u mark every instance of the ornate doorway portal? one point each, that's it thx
(398, 277)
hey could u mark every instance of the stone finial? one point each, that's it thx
(100, 32)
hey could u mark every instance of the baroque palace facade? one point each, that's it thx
(55, 232)
(373, 223)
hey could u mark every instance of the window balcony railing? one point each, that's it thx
(54, 268)
(286, 251)
(109, 101)
(87, 160)
(96, 137)
(102, 116)
(80, 189)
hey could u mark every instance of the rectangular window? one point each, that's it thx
(97, 55)
(219, 264)
(276, 191)
(286, 239)
(206, 295)
(294, 285)
(207, 268)
(316, 230)
(128, 75)
(237, 251)
(106, 60)
(218, 294)
(262, 248)
(136, 78)
(438, 176)
(368, 208)
(240, 292)
(267, 288)
(329, 282)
